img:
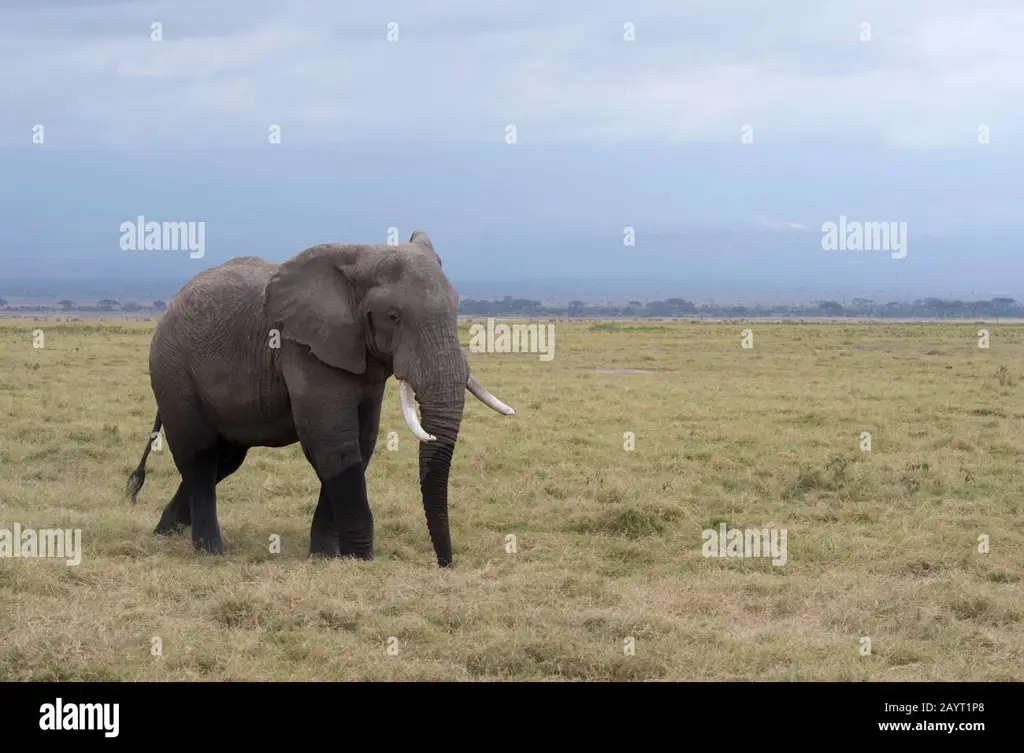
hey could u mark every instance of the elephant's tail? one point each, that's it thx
(138, 477)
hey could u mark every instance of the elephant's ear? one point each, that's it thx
(312, 301)
(423, 239)
(418, 236)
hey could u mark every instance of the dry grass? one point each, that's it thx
(882, 544)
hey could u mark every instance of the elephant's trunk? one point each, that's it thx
(439, 383)
(442, 420)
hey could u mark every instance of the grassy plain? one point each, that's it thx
(607, 580)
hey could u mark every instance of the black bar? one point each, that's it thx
(515, 713)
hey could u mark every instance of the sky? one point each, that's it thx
(723, 114)
(930, 73)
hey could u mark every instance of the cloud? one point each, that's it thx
(923, 74)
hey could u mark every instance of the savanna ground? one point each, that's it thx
(886, 544)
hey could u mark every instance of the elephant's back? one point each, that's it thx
(214, 312)
(211, 347)
(235, 284)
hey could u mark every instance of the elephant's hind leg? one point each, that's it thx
(177, 515)
(229, 459)
(200, 476)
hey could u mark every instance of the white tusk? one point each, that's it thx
(487, 398)
(409, 411)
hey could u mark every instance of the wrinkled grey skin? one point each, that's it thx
(349, 317)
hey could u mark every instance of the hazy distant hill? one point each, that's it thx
(710, 221)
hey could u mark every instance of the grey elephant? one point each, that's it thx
(255, 354)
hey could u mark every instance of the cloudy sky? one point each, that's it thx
(765, 117)
(907, 73)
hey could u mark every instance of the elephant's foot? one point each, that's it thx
(342, 522)
(323, 538)
(203, 508)
(173, 522)
(174, 528)
(344, 499)
(323, 543)
(329, 545)
(176, 516)
(363, 552)
(208, 542)
(209, 547)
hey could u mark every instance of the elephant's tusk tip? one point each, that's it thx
(406, 396)
(481, 394)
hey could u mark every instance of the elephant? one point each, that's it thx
(258, 354)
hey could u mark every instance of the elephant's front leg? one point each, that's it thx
(342, 522)
(369, 420)
(358, 542)
(323, 535)
(352, 516)
(325, 408)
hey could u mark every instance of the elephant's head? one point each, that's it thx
(351, 303)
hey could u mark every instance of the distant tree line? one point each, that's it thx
(105, 305)
(926, 308)
(670, 308)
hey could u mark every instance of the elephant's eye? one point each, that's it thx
(393, 317)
